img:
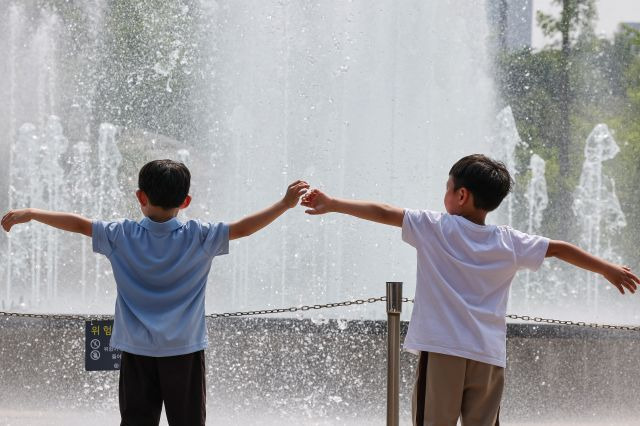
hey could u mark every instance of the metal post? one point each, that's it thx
(394, 307)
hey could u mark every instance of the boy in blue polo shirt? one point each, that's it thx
(160, 266)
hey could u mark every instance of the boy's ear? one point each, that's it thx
(186, 202)
(463, 194)
(142, 197)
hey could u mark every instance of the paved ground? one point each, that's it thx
(296, 372)
(78, 418)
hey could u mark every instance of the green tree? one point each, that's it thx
(626, 169)
(604, 78)
(576, 18)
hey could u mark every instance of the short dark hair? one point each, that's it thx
(166, 182)
(488, 180)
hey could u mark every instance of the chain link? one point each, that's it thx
(574, 323)
(304, 308)
(67, 317)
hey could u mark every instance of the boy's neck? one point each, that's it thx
(158, 214)
(476, 216)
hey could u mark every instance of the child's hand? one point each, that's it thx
(294, 192)
(622, 277)
(14, 217)
(318, 201)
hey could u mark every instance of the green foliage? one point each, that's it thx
(604, 87)
(626, 169)
(576, 16)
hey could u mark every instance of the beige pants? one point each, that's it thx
(448, 387)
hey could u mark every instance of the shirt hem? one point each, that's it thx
(156, 352)
(413, 347)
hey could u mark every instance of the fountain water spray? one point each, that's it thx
(537, 201)
(13, 23)
(363, 101)
(81, 179)
(596, 204)
(504, 145)
(52, 177)
(108, 188)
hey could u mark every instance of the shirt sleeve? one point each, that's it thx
(530, 250)
(104, 236)
(417, 223)
(215, 238)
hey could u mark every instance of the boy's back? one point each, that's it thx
(464, 271)
(160, 269)
(463, 279)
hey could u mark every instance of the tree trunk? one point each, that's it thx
(561, 213)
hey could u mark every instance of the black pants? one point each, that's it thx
(178, 381)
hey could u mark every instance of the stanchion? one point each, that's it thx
(394, 308)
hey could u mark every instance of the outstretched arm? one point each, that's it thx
(320, 203)
(620, 276)
(65, 221)
(255, 222)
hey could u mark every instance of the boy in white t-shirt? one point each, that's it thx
(464, 273)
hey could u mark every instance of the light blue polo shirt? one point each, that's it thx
(161, 273)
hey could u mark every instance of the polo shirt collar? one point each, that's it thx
(160, 227)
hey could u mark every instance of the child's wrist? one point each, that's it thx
(332, 205)
(608, 267)
(283, 204)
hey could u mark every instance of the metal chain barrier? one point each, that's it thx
(65, 317)
(304, 308)
(574, 323)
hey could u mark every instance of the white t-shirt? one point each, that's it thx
(462, 287)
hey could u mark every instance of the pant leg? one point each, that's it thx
(443, 387)
(182, 380)
(482, 394)
(139, 391)
(418, 397)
